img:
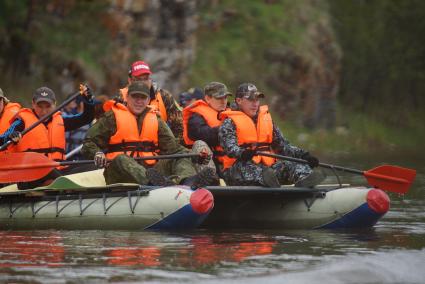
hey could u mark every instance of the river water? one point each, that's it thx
(392, 252)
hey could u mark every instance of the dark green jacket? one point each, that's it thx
(99, 134)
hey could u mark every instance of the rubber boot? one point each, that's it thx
(156, 178)
(269, 178)
(313, 179)
(205, 177)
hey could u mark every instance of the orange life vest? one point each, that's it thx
(127, 139)
(252, 136)
(157, 102)
(9, 111)
(211, 117)
(49, 140)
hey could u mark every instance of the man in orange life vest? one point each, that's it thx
(248, 129)
(136, 130)
(48, 137)
(169, 110)
(201, 123)
(7, 111)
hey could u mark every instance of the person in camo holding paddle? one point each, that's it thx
(49, 136)
(132, 130)
(248, 129)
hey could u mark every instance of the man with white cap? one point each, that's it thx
(248, 129)
(161, 99)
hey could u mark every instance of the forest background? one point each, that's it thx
(340, 76)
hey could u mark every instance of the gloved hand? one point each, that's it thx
(100, 160)
(248, 154)
(203, 158)
(312, 161)
(15, 136)
(86, 91)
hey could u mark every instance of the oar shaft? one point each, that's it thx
(53, 164)
(297, 160)
(159, 157)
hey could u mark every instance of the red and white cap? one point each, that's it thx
(139, 68)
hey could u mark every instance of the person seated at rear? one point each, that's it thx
(248, 129)
(132, 130)
(48, 137)
(74, 138)
(201, 122)
(192, 95)
(7, 111)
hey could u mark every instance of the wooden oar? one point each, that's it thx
(28, 166)
(386, 177)
(42, 119)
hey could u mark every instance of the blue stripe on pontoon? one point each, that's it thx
(361, 217)
(184, 218)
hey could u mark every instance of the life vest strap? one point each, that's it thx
(144, 146)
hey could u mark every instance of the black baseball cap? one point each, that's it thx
(44, 94)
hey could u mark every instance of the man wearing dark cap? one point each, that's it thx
(49, 136)
(201, 122)
(248, 129)
(161, 99)
(136, 130)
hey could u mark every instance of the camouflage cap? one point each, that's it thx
(248, 91)
(216, 90)
(138, 88)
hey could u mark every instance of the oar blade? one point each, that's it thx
(25, 166)
(13, 176)
(391, 178)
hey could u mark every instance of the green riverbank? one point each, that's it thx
(361, 134)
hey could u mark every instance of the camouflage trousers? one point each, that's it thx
(249, 173)
(124, 169)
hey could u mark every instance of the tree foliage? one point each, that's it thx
(384, 50)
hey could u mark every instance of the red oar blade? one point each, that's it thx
(26, 166)
(391, 178)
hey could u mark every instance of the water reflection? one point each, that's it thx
(130, 256)
(31, 249)
(46, 248)
(194, 251)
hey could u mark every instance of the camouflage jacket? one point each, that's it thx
(174, 114)
(99, 134)
(229, 141)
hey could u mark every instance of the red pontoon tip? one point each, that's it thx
(378, 201)
(202, 201)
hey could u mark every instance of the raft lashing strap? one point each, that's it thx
(70, 198)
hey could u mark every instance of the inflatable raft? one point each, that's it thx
(287, 207)
(83, 201)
